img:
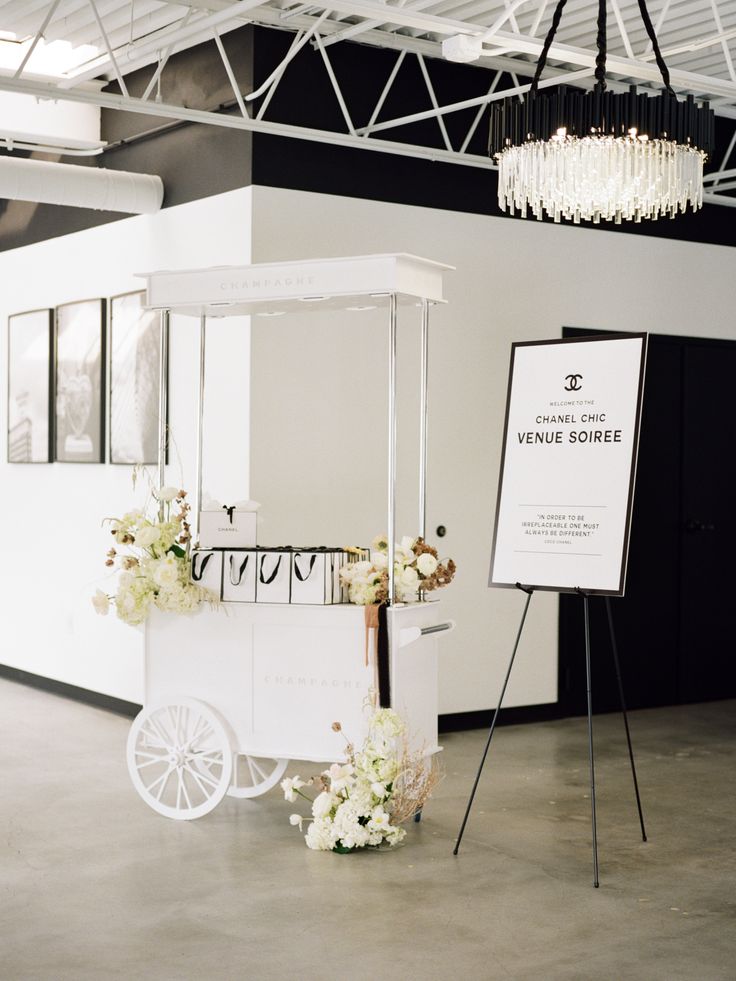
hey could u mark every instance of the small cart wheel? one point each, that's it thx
(254, 775)
(179, 758)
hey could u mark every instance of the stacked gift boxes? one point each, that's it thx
(275, 575)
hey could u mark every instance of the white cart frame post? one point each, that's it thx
(269, 679)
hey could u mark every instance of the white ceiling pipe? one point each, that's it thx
(80, 187)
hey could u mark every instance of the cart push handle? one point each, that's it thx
(407, 635)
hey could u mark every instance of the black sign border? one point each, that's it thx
(598, 338)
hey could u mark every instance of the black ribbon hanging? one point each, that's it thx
(298, 572)
(384, 667)
(197, 576)
(240, 571)
(267, 582)
(230, 511)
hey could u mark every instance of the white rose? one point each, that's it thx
(379, 560)
(426, 563)
(410, 577)
(166, 572)
(168, 493)
(323, 804)
(147, 535)
(101, 602)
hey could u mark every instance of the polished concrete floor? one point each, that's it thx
(94, 885)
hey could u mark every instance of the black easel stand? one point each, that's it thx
(529, 593)
(589, 691)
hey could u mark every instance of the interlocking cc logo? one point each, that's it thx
(573, 383)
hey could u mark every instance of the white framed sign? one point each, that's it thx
(568, 464)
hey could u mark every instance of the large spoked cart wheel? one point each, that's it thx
(179, 758)
(255, 775)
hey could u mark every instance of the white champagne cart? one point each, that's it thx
(231, 697)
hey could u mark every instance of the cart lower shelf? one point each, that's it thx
(231, 695)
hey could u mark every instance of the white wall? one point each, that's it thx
(515, 280)
(318, 434)
(53, 545)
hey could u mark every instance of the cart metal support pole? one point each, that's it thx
(200, 428)
(391, 444)
(162, 376)
(423, 420)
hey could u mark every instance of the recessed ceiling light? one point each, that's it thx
(358, 309)
(312, 299)
(271, 313)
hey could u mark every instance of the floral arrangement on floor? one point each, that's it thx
(154, 562)
(363, 802)
(417, 568)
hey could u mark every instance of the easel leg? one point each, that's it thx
(590, 739)
(614, 648)
(493, 722)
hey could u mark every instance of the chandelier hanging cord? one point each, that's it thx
(602, 45)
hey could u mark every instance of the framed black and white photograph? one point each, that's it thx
(30, 380)
(135, 371)
(80, 382)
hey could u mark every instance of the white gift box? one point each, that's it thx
(273, 577)
(228, 526)
(207, 570)
(239, 576)
(313, 575)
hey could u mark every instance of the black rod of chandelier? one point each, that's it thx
(600, 112)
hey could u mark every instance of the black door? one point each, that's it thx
(674, 626)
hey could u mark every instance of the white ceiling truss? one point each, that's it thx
(107, 39)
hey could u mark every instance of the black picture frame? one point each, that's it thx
(29, 430)
(134, 380)
(80, 348)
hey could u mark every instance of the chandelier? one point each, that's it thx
(600, 155)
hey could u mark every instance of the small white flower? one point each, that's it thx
(340, 776)
(426, 564)
(296, 819)
(380, 543)
(101, 603)
(410, 577)
(290, 787)
(168, 493)
(380, 820)
(379, 790)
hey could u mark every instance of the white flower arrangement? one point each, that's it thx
(417, 567)
(155, 566)
(363, 802)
